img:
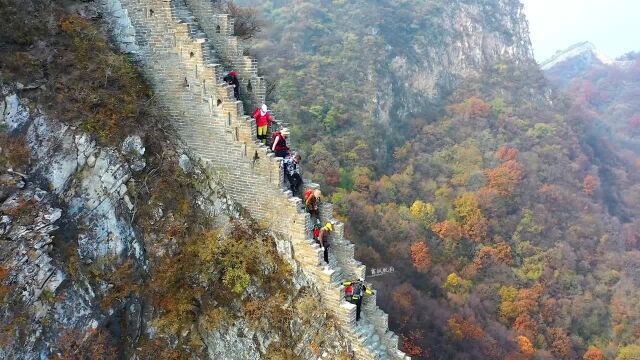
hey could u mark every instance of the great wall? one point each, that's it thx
(185, 47)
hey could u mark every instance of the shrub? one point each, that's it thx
(95, 84)
(21, 66)
(4, 289)
(14, 152)
(76, 345)
(22, 23)
(246, 25)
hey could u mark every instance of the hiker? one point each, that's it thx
(280, 143)
(292, 174)
(232, 79)
(263, 121)
(312, 202)
(354, 292)
(323, 239)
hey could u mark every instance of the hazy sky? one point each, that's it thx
(612, 25)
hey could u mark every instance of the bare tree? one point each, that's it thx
(270, 93)
(247, 25)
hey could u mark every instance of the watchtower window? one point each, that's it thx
(151, 12)
(219, 102)
(249, 87)
(218, 29)
(191, 54)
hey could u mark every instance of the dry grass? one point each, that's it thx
(14, 153)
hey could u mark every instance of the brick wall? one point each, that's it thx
(185, 47)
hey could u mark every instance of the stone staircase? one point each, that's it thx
(182, 46)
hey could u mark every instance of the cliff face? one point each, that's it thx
(75, 256)
(573, 62)
(444, 44)
(71, 208)
(412, 52)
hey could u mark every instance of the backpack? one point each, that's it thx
(358, 289)
(308, 194)
(317, 228)
(348, 291)
(274, 136)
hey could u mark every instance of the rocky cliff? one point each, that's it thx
(454, 41)
(374, 69)
(69, 223)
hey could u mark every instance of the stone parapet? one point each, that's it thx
(184, 46)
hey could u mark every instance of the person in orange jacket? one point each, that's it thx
(263, 121)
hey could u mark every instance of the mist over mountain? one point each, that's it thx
(504, 194)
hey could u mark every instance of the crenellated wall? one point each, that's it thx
(185, 47)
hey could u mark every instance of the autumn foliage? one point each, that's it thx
(525, 325)
(448, 230)
(593, 354)
(410, 343)
(461, 328)
(474, 224)
(525, 345)
(473, 107)
(76, 345)
(590, 184)
(420, 256)
(505, 178)
(561, 344)
(506, 153)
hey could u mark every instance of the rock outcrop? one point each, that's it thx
(465, 39)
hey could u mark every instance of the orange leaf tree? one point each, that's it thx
(448, 230)
(464, 329)
(420, 256)
(506, 153)
(590, 184)
(505, 178)
(525, 345)
(593, 354)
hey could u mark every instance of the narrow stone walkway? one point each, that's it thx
(186, 47)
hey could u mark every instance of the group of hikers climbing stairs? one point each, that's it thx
(185, 48)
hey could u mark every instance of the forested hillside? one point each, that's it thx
(512, 230)
(603, 97)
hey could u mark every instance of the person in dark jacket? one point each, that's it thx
(232, 79)
(354, 292)
(292, 173)
(280, 143)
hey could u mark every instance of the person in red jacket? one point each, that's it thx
(263, 121)
(280, 143)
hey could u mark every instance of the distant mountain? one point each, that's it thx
(576, 60)
(602, 96)
(585, 52)
(607, 88)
